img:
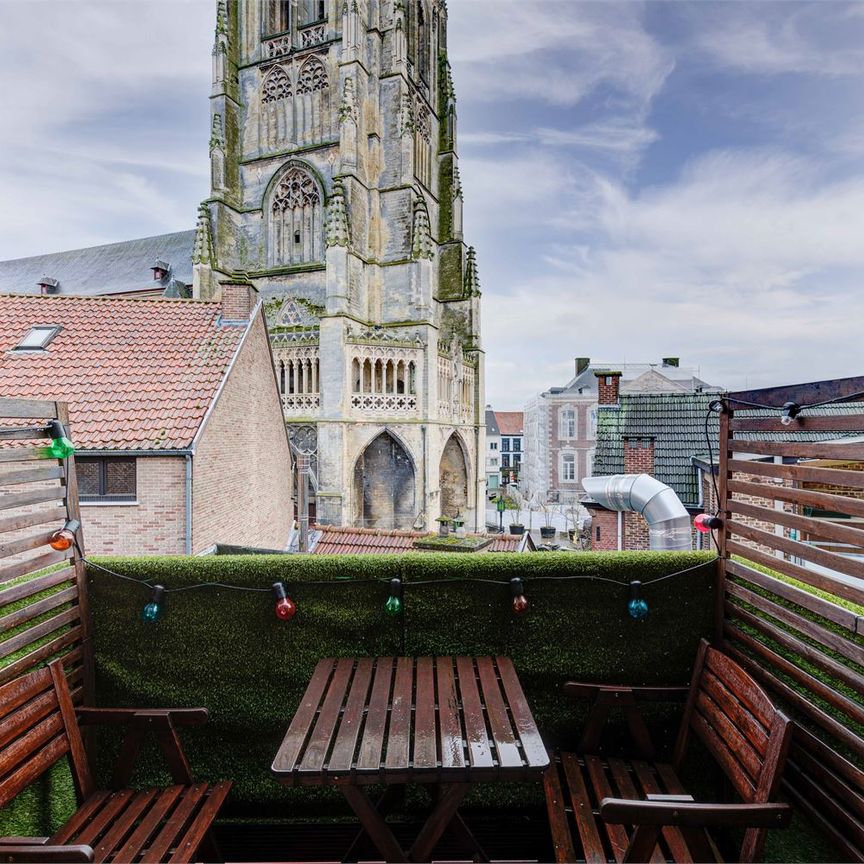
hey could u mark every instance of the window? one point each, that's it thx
(517, 460)
(517, 445)
(280, 16)
(313, 11)
(296, 219)
(493, 463)
(493, 445)
(106, 479)
(567, 424)
(505, 460)
(597, 533)
(38, 337)
(505, 443)
(568, 466)
(592, 423)
(422, 44)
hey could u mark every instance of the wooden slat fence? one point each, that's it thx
(791, 595)
(43, 601)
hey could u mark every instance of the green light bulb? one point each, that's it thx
(60, 448)
(393, 606)
(151, 612)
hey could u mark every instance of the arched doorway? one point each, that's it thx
(384, 485)
(453, 479)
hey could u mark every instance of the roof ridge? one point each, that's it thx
(113, 298)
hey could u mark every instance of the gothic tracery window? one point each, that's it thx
(280, 16)
(422, 44)
(313, 77)
(276, 86)
(423, 144)
(296, 219)
(313, 11)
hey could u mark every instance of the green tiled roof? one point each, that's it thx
(676, 423)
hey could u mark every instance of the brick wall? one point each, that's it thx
(241, 490)
(638, 459)
(606, 522)
(608, 385)
(153, 526)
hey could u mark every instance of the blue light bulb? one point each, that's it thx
(153, 609)
(638, 606)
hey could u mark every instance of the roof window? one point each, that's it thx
(38, 337)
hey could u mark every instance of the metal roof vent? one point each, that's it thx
(47, 285)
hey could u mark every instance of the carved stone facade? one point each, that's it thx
(336, 193)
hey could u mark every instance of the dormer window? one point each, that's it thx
(38, 337)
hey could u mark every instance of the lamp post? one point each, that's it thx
(499, 505)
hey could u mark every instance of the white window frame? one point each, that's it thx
(568, 458)
(564, 421)
(37, 338)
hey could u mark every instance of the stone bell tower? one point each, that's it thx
(336, 193)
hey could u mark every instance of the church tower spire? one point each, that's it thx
(335, 190)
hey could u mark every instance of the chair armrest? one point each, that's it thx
(686, 813)
(15, 852)
(124, 716)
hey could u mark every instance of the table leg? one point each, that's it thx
(393, 797)
(449, 798)
(374, 824)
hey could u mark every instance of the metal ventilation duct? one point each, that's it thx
(668, 521)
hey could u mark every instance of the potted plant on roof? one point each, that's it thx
(547, 530)
(514, 505)
(443, 525)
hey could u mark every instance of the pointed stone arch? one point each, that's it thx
(295, 211)
(453, 477)
(385, 484)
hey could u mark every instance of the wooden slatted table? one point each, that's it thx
(446, 721)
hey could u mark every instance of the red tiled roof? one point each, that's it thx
(510, 422)
(137, 374)
(368, 541)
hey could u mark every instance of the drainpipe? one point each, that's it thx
(668, 520)
(620, 531)
(188, 503)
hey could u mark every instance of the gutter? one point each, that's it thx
(668, 520)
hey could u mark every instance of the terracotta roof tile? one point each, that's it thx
(137, 374)
(335, 540)
(510, 422)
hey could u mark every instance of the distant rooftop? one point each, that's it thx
(111, 269)
(510, 422)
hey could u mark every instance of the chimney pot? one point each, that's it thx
(238, 301)
(47, 285)
(582, 363)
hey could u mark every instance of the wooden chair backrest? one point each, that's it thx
(741, 728)
(38, 727)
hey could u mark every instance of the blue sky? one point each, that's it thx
(642, 179)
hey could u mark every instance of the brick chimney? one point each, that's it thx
(238, 301)
(582, 363)
(608, 384)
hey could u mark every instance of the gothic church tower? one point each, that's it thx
(336, 194)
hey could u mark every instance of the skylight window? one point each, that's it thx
(38, 337)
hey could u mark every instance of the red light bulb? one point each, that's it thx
(64, 538)
(520, 601)
(705, 523)
(286, 608)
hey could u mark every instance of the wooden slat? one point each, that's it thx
(175, 824)
(823, 582)
(852, 799)
(27, 409)
(27, 499)
(24, 454)
(21, 433)
(30, 475)
(31, 635)
(555, 803)
(803, 423)
(450, 727)
(25, 544)
(80, 818)
(139, 838)
(849, 649)
(28, 661)
(14, 756)
(829, 476)
(838, 563)
(814, 393)
(803, 497)
(742, 685)
(502, 732)
(291, 748)
(77, 756)
(398, 753)
(850, 452)
(20, 779)
(816, 685)
(818, 527)
(753, 731)
(342, 757)
(672, 835)
(806, 740)
(31, 587)
(586, 824)
(425, 731)
(319, 742)
(616, 834)
(16, 693)
(828, 610)
(372, 743)
(724, 757)
(627, 789)
(31, 520)
(111, 810)
(793, 697)
(733, 739)
(34, 610)
(31, 565)
(27, 715)
(188, 844)
(532, 744)
(479, 750)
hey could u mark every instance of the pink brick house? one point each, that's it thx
(174, 410)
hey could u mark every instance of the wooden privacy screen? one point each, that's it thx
(43, 605)
(791, 598)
